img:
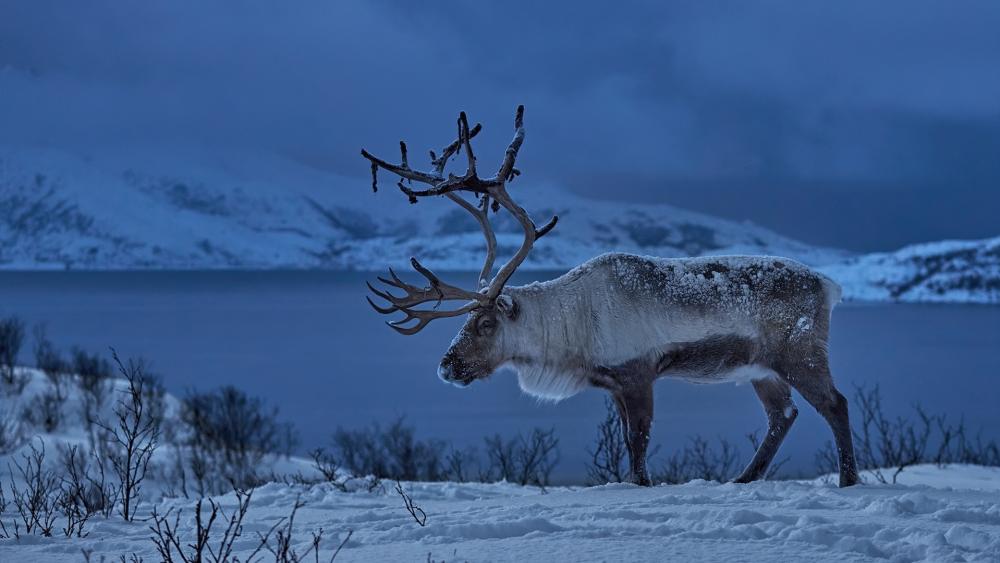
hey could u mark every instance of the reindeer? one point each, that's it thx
(619, 322)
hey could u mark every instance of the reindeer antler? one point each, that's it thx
(489, 191)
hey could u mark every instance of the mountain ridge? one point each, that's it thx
(147, 210)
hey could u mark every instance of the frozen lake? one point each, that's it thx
(309, 343)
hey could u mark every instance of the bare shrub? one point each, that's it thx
(230, 434)
(4, 503)
(973, 450)
(44, 411)
(73, 500)
(93, 377)
(609, 457)
(283, 546)
(11, 339)
(133, 436)
(212, 544)
(390, 453)
(361, 451)
(166, 535)
(699, 460)
(12, 431)
(36, 499)
(91, 368)
(337, 476)
(85, 480)
(525, 460)
(154, 398)
(174, 474)
(326, 465)
(885, 446)
(461, 465)
(48, 359)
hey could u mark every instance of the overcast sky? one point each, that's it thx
(864, 125)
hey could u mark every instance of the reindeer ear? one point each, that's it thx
(507, 306)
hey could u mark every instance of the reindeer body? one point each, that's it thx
(620, 321)
(705, 320)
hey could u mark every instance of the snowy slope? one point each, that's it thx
(698, 521)
(143, 210)
(20, 433)
(942, 272)
(935, 514)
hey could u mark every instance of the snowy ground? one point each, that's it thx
(950, 514)
(933, 514)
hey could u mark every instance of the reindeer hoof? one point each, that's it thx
(641, 480)
(848, 480)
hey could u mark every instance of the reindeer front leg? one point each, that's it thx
(635, 407)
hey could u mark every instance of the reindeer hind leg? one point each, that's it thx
(811, 377)
(776, 396)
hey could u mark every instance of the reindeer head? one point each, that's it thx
(476, 351)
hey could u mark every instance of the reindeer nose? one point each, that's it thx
(445, 372)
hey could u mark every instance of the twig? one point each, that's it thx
(413, 509)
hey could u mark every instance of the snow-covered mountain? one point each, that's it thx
(61, 210)
(148, 210)
(939, 272)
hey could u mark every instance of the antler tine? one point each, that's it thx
(491, 191)
(402, 170)
(482, 217)
(383, 310)
(539, 233)
(465, 139)
(424, 317)
(436, 292)
(439, 162)
(531, 232)
(506, 172)
(447, 291)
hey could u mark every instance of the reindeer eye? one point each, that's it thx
(486, 325)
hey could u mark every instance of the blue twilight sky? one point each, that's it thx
(864, 125)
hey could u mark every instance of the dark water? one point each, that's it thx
(308, 342)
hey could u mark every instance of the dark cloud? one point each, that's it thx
(856, 124)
